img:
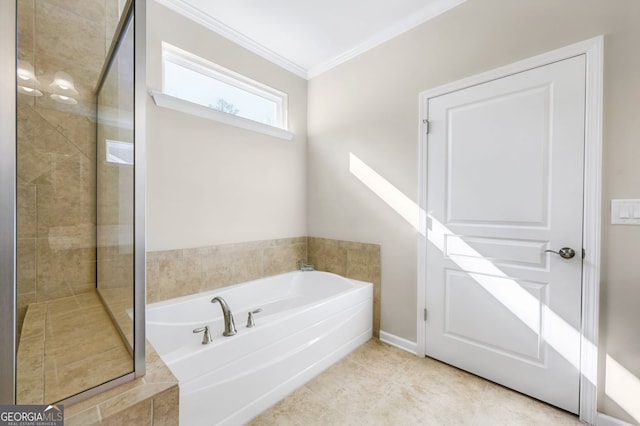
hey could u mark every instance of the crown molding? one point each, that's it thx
(400, 27)
(193, 13)
(200, 17)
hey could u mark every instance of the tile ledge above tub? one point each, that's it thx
(150, 399)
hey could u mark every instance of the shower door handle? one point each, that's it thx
(564, 252)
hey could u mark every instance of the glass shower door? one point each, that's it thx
(115, 186)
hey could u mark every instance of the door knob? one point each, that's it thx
(564, 252)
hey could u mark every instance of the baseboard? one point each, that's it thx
(604, 420)
(398, 342)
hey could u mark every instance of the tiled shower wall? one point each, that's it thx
(56, 148)
(175, 273)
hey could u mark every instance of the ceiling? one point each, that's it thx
(309, 37)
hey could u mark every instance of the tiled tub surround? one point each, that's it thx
(359, 261)
(175, 273)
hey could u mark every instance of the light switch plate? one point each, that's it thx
(625, 212)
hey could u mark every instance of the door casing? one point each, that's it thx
(593, 49)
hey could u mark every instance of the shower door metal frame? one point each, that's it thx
(8, 26)
(140, 178)
(137, 8)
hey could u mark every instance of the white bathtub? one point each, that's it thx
(309, 320)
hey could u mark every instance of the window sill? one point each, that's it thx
(177, 104)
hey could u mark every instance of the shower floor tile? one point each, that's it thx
(378, 384)
(68, 345)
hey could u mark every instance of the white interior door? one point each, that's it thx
(504, 185)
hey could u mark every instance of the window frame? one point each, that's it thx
(205, 67)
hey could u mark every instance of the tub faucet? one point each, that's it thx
(229, 324)
(305, 266)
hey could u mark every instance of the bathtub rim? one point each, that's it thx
(184, 351)
(225, 289)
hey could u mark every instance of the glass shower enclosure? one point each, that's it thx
(72, 266)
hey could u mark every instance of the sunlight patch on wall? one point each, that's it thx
(391, 195)
(623, 387)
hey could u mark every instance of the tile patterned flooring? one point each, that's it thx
(68, 345)
(378, 384)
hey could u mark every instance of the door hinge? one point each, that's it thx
(425, 314)
(584, 254)
(425, 122)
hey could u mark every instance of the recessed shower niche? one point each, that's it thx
(76, 199)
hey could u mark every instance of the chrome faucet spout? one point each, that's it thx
(229, 323)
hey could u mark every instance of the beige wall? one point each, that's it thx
(369, 107)
(203, 175)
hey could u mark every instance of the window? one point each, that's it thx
(231, 97)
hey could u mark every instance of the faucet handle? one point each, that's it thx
(250, 320)
(206, 337)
